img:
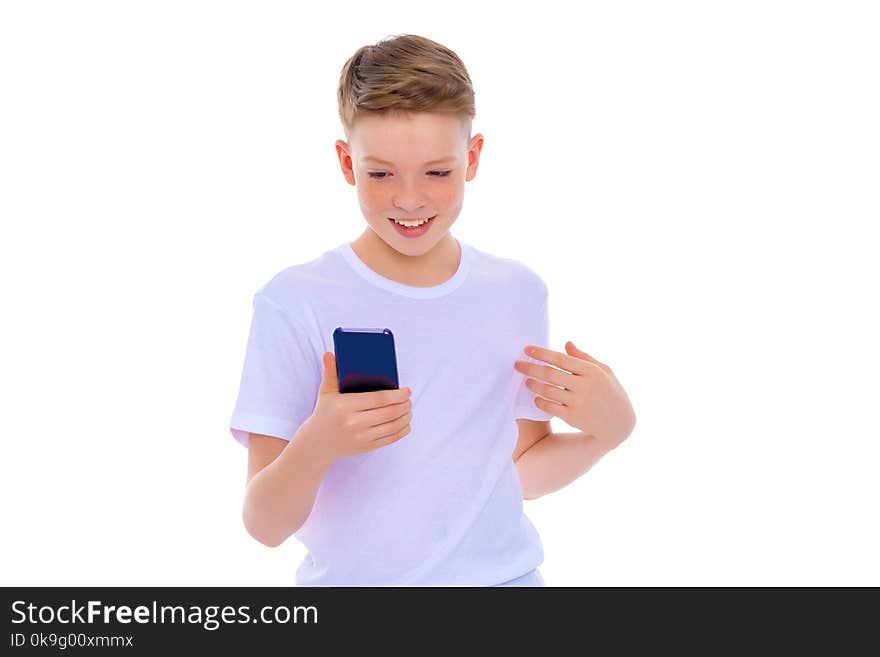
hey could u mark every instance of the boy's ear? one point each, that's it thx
(473, 156)
(345, 164)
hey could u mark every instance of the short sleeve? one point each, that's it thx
(280, 378)
(538, 334)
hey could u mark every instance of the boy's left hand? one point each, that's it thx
(588, 397)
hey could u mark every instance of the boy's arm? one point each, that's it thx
(587, 395)
(557, 460)
(529, 432)
(279, 497)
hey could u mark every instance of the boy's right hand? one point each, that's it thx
(356, 422)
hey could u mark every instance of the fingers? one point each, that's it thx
(376, 444)
(365, 401)
(387, 421)
(379, 417)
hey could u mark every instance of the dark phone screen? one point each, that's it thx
(365, 359)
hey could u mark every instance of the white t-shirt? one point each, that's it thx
(443, 505)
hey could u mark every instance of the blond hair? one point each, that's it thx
(403, 74)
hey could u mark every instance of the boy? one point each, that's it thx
(420, 486)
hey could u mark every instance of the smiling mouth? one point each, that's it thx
(411, 224)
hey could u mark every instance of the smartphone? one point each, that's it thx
(365, 359)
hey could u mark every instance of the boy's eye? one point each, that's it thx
(380, 175)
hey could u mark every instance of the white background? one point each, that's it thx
(696, 182)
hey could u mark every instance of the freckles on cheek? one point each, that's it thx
(375, 202)
(443, 202)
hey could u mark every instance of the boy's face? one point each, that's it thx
(409, 184)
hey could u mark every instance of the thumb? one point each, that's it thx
(574, 351)
(577, 352)
(329, 380)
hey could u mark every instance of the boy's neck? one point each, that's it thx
(433, 268)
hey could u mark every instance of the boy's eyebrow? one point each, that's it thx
(448, 158)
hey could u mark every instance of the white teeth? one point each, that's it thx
(410, 224)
